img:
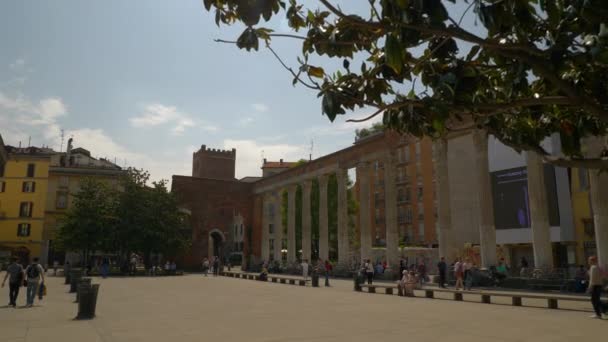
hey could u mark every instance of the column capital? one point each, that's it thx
(323, 179)
(307, 184)
(291, 188)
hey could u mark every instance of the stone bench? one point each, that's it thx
(371, 288)
(486, 296)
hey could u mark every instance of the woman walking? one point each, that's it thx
(459, 273)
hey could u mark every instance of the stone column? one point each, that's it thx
(487, 231)
(390, 211)
(539, 211)
(291, 223)
(306, 220)
(598, 188)
(363, 171)
(278, 226)
(343, 239)
(323, 219)
(444, 231)
(265, 221)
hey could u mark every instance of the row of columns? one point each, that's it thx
(539, 213)
(276, 201)
(538, 203)
(344, 252)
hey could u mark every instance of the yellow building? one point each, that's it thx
(67, 170)
(23, 187)
(583, 218)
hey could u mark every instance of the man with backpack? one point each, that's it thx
(35, 276)
(15, 274)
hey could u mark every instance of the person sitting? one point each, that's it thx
(264, 274)
(410, 283)
(501, 272)
(379, 268)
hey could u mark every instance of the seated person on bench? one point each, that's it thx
(264, 274)
(408, 283)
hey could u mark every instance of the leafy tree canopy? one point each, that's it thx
(366, 132)
(538, 68)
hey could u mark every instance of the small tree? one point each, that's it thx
(90, 222)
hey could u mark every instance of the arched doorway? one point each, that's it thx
(216, 243)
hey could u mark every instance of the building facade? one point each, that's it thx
(23, 188)
(66, 171)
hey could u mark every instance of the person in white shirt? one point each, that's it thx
(305, 269)
(595, 288)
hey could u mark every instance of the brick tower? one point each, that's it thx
(214, 163)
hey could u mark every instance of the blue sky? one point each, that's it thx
(143, 82)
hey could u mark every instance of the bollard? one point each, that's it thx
(88, 302)
(356, 282)
(83, 283)
(315, 279)
(74, 278)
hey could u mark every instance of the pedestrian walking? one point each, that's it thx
(524, 267)
(133, 264)
(205, 266)
(304, 265)
(14, 273)
(595, 289)
(105, 267)
(328, 269)
(467, 266)
(216, 266)
(369, 270)
(34, 275)
(442, 268)
(55, 266)
(421, 273)
(459, 274)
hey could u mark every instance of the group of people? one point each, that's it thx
(321, 267)
(212, 266)
(32, 277)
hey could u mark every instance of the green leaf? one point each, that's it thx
(393, 53)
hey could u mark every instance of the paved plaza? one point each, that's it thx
(195, 308)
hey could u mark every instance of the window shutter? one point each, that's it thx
(2, 186)
(33, 186)
(23, 186)
(28, 227)
(31, 206)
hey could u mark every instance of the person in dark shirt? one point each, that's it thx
(15, 276)
(442, 267)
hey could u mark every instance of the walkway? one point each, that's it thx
(195, 308)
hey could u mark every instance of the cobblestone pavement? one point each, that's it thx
(197, 308)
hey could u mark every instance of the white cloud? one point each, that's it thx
(246, 121)
(260, 107)
(249, 155)
(159, 114)
(21, 118)
(19, 63)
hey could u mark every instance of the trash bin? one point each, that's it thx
(75, 276)
(88, 302)
(356, 281)
(315, 279)
(83, 283)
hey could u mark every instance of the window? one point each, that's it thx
(420, 208)
(1, 170)
(408, 195)
(421, 231)
(2, 186)
(241, 229)
(64, 181)
(28, 187)
(583, 180)
(407, 153)
(378, 217)
(420, 193)
(31, 169)
(236, 230)
(25, 209)
(408, 215)
(62, 200)
(417, 151)
(271, 228)
(23, 229)
(236, 246)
